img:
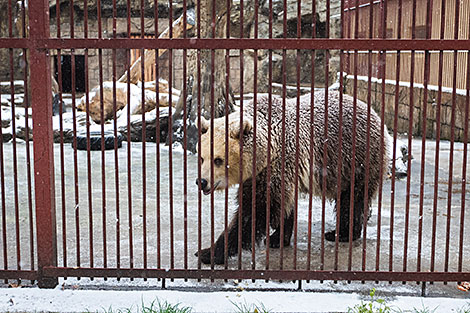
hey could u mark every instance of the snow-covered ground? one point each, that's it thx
(67, 300)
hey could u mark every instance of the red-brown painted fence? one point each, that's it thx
(134, 226)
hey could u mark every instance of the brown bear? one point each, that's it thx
(277, 141)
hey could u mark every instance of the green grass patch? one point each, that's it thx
(250, 308)
(379, 305)
(465, 309)
(156, 306)
(374, 305)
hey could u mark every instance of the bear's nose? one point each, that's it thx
(202, 183)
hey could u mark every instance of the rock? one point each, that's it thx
(151, 126)
(17, 99)
(106, 7)
(6, 117)
(21, 128)
(67, 125)
(5, 87)
(6, 134)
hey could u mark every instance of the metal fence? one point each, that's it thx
(136, 212)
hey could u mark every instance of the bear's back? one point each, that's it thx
(298, 129)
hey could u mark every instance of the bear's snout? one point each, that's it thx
(202, 183)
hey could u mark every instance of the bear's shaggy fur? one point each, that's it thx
(277, 141)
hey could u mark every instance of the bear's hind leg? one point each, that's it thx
(274, 239)
(344, 217)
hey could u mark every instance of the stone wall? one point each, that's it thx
(263, 60)
(418, 101)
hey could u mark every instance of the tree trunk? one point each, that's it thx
(218, 82)
(5, 33)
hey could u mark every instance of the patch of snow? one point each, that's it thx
(7, 130)
(58, 300)
(6, 99)
(15, 82)
(6, 115)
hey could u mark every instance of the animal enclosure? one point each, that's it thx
(152, 74)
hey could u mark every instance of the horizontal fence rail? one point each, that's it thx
(343, 124)
(240, 43)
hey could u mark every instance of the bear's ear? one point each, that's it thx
(235, 128)
(205, 124)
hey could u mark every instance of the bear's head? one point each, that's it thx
(219, 161)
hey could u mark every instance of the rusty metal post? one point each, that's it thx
(43, 138)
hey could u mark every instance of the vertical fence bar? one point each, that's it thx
(129, 146)
(185, 140)
(438, 140)
(28, 151)
(61, 127)
(43, 150)
(3, 203)
(103, 155)
(13, 125)
(15, 158)
(199, 146)
(452, 138)
(240, 195)
(369, 108)
(395, 134)
(297, 129)
(212, 116)
(143, 135)
(88, 146)
(74, 130)
(410, 142)
(269, 122)
(227, 99)
(464, 165)
(311, 148)
(283, 142)
(423, 141)
(340, 140)
(170, 139)
(383, 58)
(116, 155)
(157, 141)
(62, 160)
(253, 184)
(354, 131)
(325, 143)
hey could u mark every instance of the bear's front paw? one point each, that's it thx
(331, 236)
(206, 257)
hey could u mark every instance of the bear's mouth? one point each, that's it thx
(209, 191)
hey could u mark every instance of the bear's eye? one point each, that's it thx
(218, 162)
